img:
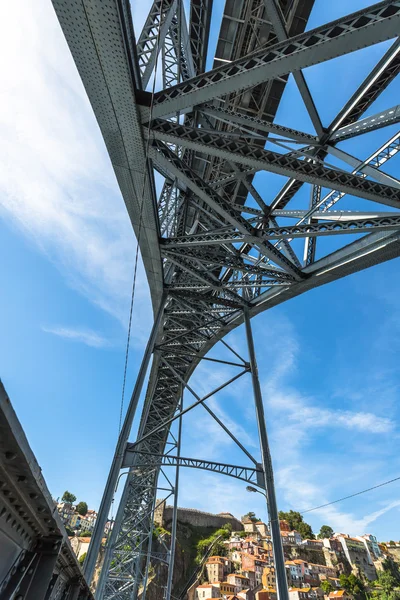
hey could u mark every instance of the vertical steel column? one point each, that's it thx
(104, 509)
(175, 510)
(149, 548)
(279, 559)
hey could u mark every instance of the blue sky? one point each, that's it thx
(328, 360)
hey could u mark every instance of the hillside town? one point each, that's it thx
(238, 564)
(338, 566)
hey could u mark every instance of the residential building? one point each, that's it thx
(266, 594)
(291, 538)
(66, 511)
(333, 544)
(268, 578)
(316, 593)
(206, 590)
(342, 594)
(268, 551)
(299, 593)
(358, 556)
(234, 542)
(253, 564)
(80, 545)
(319, 544)
(239, 581)
(295, 575)
(322, 570)
(249, 526)
(225, 588)
(217, 567)
(83, 522)
(236, 556)
(262, 528)
(372, 544)
(251, 576)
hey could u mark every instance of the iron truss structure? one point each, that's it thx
(217, 251)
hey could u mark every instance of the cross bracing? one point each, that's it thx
(217, 247)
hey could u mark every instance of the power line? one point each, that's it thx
(351, 495)
(146, 167)
(303, 512)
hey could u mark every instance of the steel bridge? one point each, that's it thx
(216, 250)
(36, 558)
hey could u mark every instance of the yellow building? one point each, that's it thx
(268, 578)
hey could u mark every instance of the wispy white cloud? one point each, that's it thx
(85, 336)
(313, 440)
(56, 183)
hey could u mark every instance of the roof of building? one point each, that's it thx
(337, 594)
(304, 589)
(205, 585)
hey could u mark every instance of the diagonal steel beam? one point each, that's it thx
(166, 158)
(153, 35)
(233, 116)
(364, 28)
(384, 118)
(241, 152)
(276, 17)
(369, 170)
(372, 86)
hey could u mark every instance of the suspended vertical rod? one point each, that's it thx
(175, 509)
(109, 490)
(279, 559)
(148, 558)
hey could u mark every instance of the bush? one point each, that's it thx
(82, 558)
(219, 548)
(159, 531)
(85, 534)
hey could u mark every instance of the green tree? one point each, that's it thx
(81, 508)
(353, 585)
(296, 521)
(68, 497)
(386, 581)
(251, 516)
(85, 534)
(393, 567)
(326, 586)
(325, 532)
(82, 558)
